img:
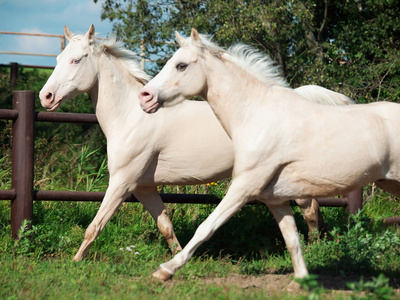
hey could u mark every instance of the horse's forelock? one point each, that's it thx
(77, 37)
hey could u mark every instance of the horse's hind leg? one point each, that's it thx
(313, 217)
(152, 201)
(115, 196)
(390, 186)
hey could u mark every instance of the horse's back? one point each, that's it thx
(318, 94)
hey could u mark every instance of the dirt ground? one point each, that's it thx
(276, 283)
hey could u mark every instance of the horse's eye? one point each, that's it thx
(181, 66)
(75, 61)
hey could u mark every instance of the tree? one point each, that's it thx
(348, 46)
(142, 26)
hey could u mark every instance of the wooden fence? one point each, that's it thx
(61, 37)
(62, 47)
(22, 193)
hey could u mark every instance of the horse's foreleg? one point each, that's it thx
(235, 198)
(152, 201)
(284, 216)
(113, 199)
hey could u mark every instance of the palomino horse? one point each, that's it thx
(284, 146)
(189, 145)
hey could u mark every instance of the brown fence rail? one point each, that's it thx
(22, 194)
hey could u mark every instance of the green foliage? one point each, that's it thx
(27, 79)
(88, 175)
(311, 285)
(377, 288)
(379, 204)
(362, 246)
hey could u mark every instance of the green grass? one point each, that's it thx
(104, 279)
(39, 265)
(118, 266)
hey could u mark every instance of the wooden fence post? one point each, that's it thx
(13, 74)
(22, 159)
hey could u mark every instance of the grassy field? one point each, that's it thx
(358, 263)
(245, 259)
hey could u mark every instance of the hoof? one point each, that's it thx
(292, 287)
(77, 258)
(162, 274)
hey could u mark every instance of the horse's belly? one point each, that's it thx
(294, 189)
(190, 176)
(187, 168)
(311, 182)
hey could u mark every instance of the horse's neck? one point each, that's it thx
(115, 94)
(231, 97)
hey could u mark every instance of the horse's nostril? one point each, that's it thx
(49, 96)
(145, 94)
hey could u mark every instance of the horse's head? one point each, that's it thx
(76, 70)
(181, 78)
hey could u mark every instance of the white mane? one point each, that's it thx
(127, 57)
(257, 63)
(247, 58)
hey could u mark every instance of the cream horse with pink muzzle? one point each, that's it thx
(180, 145)
(285, 147)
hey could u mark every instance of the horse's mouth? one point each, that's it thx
(151, 109)
(55, 106)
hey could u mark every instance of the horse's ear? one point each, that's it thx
(90, 34)
(68, 34)
(195, 35)
(179, 38)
